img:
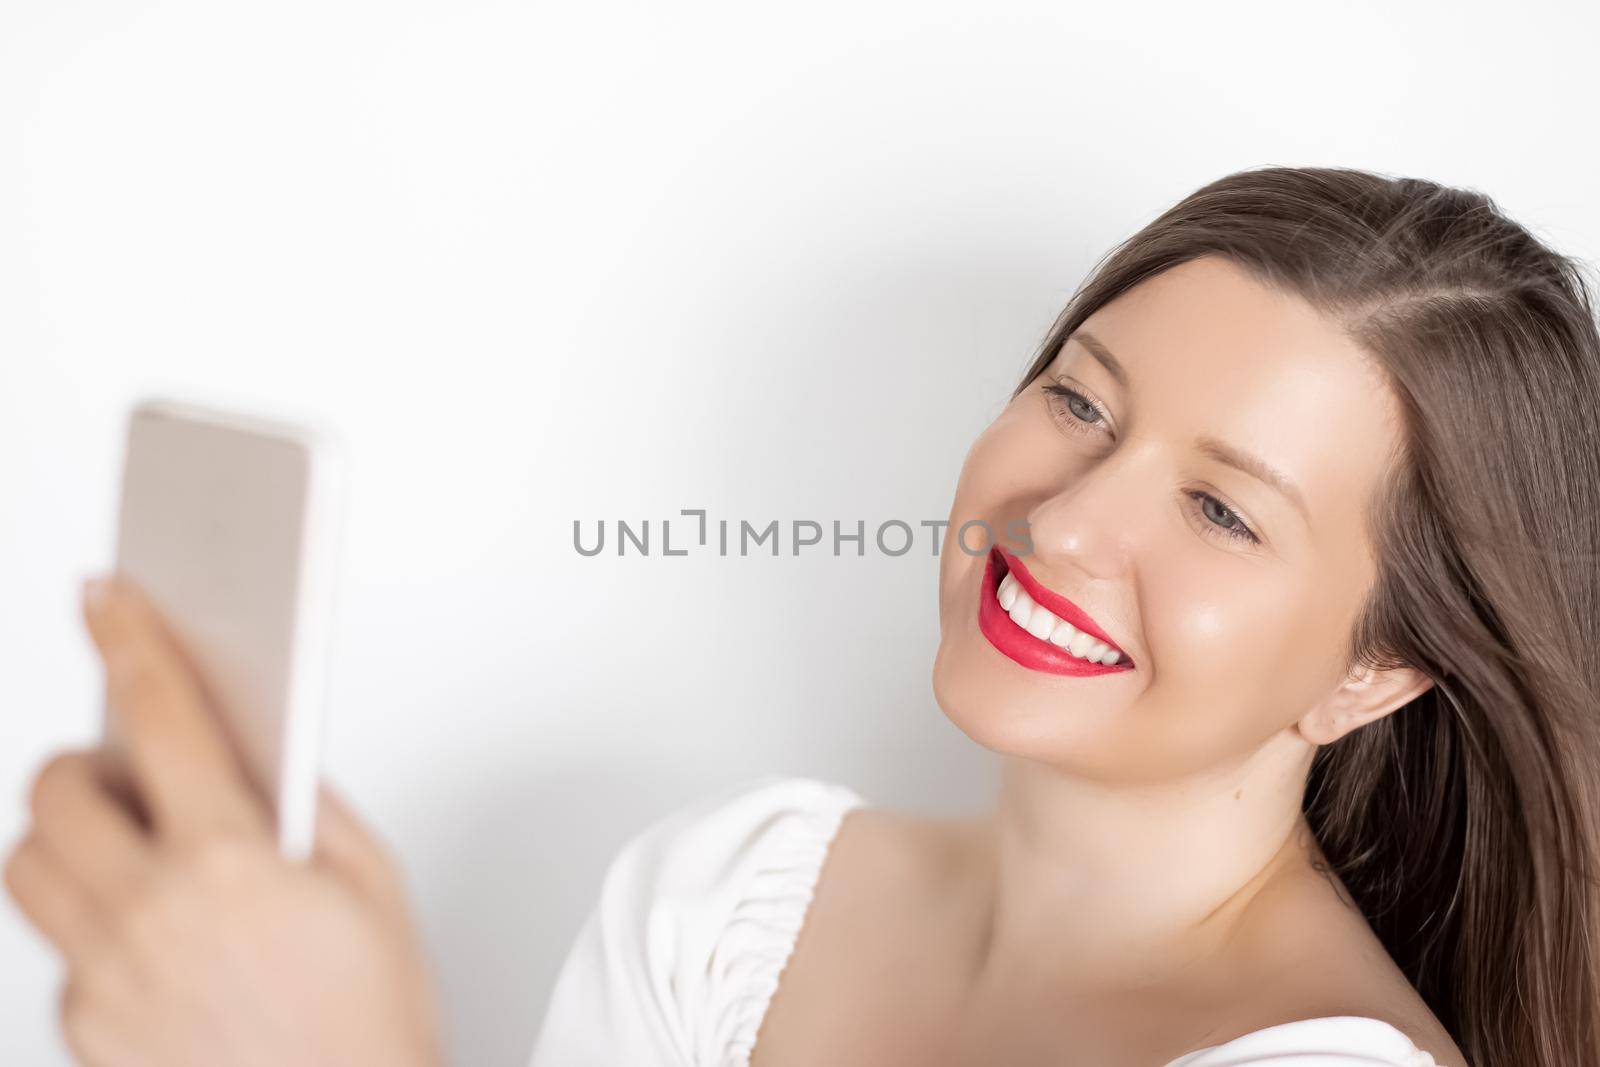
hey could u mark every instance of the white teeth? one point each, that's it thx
(1016, 602)
(1022, 609)
(1041, 623)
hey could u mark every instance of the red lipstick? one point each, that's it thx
(1018, 644)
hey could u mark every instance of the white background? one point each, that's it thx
(540, 263)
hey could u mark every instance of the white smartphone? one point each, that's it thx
(230, 522)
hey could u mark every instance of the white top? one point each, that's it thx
(699, 913)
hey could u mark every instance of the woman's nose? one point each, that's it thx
(1092, 523)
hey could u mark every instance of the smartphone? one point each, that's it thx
(230, 522)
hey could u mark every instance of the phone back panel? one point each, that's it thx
(226, 522)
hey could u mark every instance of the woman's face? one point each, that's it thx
(1232, 598)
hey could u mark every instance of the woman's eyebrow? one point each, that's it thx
(1257, 468)
(1218, 450)
(1099, 351)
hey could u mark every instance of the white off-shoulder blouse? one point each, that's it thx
(699, 913)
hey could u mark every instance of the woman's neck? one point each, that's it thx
(1109, 884)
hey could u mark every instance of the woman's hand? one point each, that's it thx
(187, 940)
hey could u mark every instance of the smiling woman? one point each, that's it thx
(1295, 680)
(1322, 445)
(1294, 684)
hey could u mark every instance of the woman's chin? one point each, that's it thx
(1016, 712)
(979, 691)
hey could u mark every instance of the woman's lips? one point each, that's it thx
(1018, 644)
(1054, 602)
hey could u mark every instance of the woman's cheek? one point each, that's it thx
(1245, 620)
(1217, 649)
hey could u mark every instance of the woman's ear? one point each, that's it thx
(1366, 695)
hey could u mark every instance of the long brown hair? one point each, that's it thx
(1465, 824)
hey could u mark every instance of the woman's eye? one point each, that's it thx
(1219, 520)
(1073, 409)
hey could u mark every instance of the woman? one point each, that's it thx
(1292, 665)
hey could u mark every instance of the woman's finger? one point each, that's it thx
(96, 840)
(185, 767)
(56, 905)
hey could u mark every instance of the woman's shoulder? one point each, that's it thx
(697, 914)
(705, 867)
(710, 838)
(1315, 960)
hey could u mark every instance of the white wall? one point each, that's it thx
(544, 262)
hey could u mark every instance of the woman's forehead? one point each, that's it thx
(1211, 315)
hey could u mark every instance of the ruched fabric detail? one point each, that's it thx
(755, 947)
(698, 915)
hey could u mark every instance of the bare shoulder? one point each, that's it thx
(881, 859)
(885, 882)
(1309, 952)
